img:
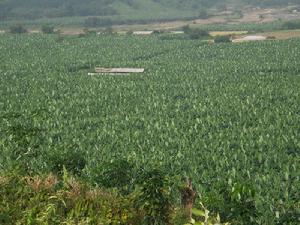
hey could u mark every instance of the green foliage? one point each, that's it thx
(222, 39)
(291, 25)
(240, 201)
(49, 200)
(195, 33)
(34, 9)
(203, 14)
(209, 112)
(155, 197)
(117, 174)
(23, 136)
(236, 202)
(66, 156)
(75, 12)
(17, 29)
(97, 22)
(65, 200)
(47, 29)
(203, 217)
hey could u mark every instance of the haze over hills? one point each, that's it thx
(128, 9)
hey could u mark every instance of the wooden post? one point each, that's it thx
(188, 197)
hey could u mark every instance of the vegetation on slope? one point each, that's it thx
(159, 9)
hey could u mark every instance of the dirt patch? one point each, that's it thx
(34, 31)
(252, 15)
(226, 33)
(71, 31)
(211, 20)
(173, 25)
(267, 15)
(250, 38)
(283, 34)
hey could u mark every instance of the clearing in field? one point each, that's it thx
(250, 38)
(225, 33)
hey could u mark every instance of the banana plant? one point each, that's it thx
(203, 217)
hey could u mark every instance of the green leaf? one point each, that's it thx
(198, 212)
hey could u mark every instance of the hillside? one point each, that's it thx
(121, 9)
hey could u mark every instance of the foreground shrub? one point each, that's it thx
(17, 29)
(117, 174)
(155, 198)
(52, 199)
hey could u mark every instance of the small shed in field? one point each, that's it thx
(143, 32)
(116, 71)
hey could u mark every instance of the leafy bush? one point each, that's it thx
(73, 160)
(155, 197)
(51, 199)
(198, 34)
(222, 39)
(23, 137)
(17, 29)
(195, 33)
(116, 174)
(235, 202)
(47, 29)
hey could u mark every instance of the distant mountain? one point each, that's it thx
(149, 9)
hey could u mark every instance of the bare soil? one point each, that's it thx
(283, 34)
(250, 38)
(249, 16)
